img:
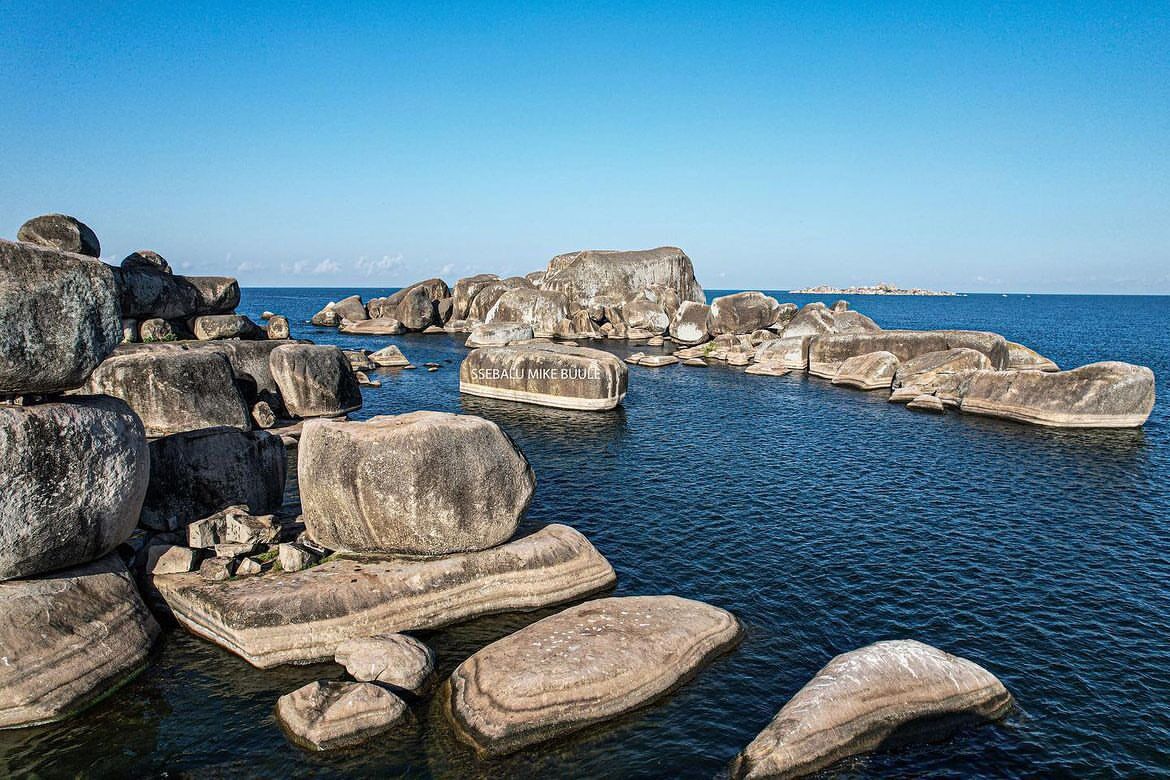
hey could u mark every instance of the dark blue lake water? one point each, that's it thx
(825, 518)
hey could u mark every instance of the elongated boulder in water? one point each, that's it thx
(546, 374)
(59, 318)
(926, 374)
(173, 389)
(465, 291)
(539, 309)
(61, 231)
(587, 664)
(389, 357)
(497, 334)
(871, 371)
(886, 693)
(1099, 395)
(826, 353)
(393, 659)
(314, 381)
(74, 476)
(742, 313)
(325, 715)
(304, 616)
(423, 483)
(68, 639)
(584, 276)
(1021, 358)
(376, 326)
(194, 475)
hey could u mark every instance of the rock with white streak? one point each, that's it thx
(539, 309)
(389, 357)
(689, 324)
(742, 312)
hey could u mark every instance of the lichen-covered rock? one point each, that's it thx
(68, 639)
(587, 664)
(423, 483)
(584, 276)
(742, 313)
(194, 475)
(1021, 358)
(225, 326)
(376, 326)
(278, 328)
(689, 324)
(498, 334)
(827, 352)
(61, 231)
(304, 616)
(546, 374)
(73, 477)
(314, 381)
(539, 309)
(926, 373)
(328, 715)
(396, 660)
(871, 371)
(59, 318)
(1099, 395)
(886, 693)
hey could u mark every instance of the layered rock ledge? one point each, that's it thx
(546, 374)
(826, 353)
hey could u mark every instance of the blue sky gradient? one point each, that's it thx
(997, 147)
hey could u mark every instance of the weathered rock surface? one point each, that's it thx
(225, 326)
(926, 403)
(148, 292)
(327, 317)
(378, 326)
(498, 334)
(926, 373)
(1099, 395)
(790, 352)
(826, 353)
(742, 313)
(587, 664)
(148, 259)
(171, 559)
(394, 659)
(73, 477)
(1022, 358)
(350, 308)
(465, 291)
(646, 315)
(490, 293)
(233, 525)
(586, 275)
(68, 639)
(766, 369)
(389, 357)
(327, 715)
(59, 318)
(155, 330)
(886, 693)
(657, 361)
(194, 475)
(546, 374)
(871, 371)
(214, 294)
(278, 328)
(60, 231)
(296, 557)
(814, 319)
(423, 483)
(314, 381)
(416, 309)
(304, 616)
(539, 309)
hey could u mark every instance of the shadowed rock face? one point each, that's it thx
(196, 474)
(1022, 358)
(149, 292)
(546, 374)
(871, 371)
(742, 313)
(539, 309)
(926, 374)
(587, 664)
(826, 353)
(497, 334)
(350, 308)
(173, 389)
(60, 231)
(59, 318)
(303, 616)
(585, 276)
(415, 310)
(328, 715)
(423, 483)
(314, 381)
(1099, 395)
(146, 258)
(69, 639)
(74, 476)
(214, 294)
(490, 293)
(885, 693)
(465, 291)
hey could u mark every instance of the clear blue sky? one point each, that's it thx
(1020, 147)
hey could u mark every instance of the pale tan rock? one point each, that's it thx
(926, 403)
(863, 699)
(871, 371)
(786, 352)
(381, 326)
(296, 557)
(826, 353)
(699, 363)
(767, 369)
(396, 660)
(389, 357)
(657, 361)
(171, 559)
(1022, 358)
(589, 275)
(926, 374)
(742, 313)
(587, 664)
(689, 323)
(498, 334)
(546, 374)
(330, 715)
(541, 310)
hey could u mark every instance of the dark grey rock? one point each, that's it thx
(315, 381)
(60, 231)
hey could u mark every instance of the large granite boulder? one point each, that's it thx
(546, 374)
(146, 258)
(59, 318)
(926, 374)
(490, 293)
(871, 371)
(423, 483)
(784, 353)
(646, 315)
(586, 275)
(827, 352)
(194, 475)
(68, 639)
(742, 312)
(887, 693)
(149, 292)
(436, 290)
(815, 319)
(587, 664)
(173, 389)
(416, 309)
(214, 294)
(62, 232)
(314, 381)
(689, 324)
(326, 715)
(465, 291)
(304, 616)
(74, 476)
(210, 327)
(1021, 358)
(497, 334)
(540, 309)
(397, 660)
(376, 326)
(1099, 395)
(350, 308)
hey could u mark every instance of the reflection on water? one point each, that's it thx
(567, 426)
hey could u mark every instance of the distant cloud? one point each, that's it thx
(245, 266)
(327, 266)
(388, 263)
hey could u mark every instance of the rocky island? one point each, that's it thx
(881, 288)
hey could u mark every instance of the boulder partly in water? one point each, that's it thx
(326, 715)
(546, 374)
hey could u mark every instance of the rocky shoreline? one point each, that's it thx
(177, 414)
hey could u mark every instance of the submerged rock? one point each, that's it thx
(1021, 358)
(742, 312)
(585, 276)
(689, 324)
(423, 483)
(546, 374)
(304, 616)
(59, 318)
(314, 381)
(328, 715)
(539, 309)
(68, 639)
(886, 693)
(871, 371)
(393, 659)
(587, 664)
(826, 353)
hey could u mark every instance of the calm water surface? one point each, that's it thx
(824, 518)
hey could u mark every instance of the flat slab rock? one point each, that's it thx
(301, 617)
(546, 374)
(587, 664)
(330, 715)
(68, 639)
(886, 693)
